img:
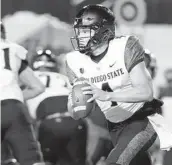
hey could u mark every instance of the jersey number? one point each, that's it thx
(106, 87)
(47, 79)
(7, 59)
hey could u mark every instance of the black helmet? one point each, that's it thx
(44, 60)
(101, 22)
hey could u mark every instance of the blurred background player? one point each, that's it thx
(16, 128)
(165, 94)
(62, 139)
(151, 64)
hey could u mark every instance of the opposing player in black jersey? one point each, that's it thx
(62, 139)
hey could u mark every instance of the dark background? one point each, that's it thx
(159, 11)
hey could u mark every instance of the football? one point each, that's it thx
(81, 108)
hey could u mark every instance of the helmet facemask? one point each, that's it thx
(82, 39)
(44, 62)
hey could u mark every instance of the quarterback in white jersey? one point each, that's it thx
(15, 122)
(119, 82)
(50, 109)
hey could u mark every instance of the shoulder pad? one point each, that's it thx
(72, 57)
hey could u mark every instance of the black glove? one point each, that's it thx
(149, 108)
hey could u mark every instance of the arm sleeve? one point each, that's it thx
(161, 92)
(134, 53)
(24, 65)
(70, 74)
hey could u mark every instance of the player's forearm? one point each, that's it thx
(31, 93)
(134, 94)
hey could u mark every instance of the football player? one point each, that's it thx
(97, 119)
(151, 65)
(16, 128)
(62, 139)
(119, 82)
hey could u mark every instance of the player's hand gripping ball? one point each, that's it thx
(80, 107)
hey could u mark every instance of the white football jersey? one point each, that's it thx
(109, 74)
(11, 56)
(56, 85)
